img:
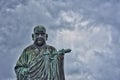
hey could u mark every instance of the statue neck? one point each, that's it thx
(39, 47)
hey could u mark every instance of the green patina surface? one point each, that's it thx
(40, 62)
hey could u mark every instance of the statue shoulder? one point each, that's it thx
(29, 48)
(51, 47)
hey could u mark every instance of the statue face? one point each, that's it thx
(39, 35)
(39, 38)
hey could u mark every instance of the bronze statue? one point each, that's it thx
(40, 61)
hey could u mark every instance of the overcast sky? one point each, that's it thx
(90, 28)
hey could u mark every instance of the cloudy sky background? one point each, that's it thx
(90, 28)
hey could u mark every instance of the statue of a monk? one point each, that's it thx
(40, 61)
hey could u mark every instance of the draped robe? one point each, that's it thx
(39, 64)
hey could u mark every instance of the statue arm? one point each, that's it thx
(22, 65)
(61, 52)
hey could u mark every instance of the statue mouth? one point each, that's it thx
(39, 41)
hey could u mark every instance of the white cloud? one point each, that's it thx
(89, 45)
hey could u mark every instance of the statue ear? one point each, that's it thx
(32, 36)
(46, 36)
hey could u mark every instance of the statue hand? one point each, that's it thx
(24, 71)
(63, 51)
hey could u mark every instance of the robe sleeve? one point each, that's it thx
(22, 64)
(61, 66)
(58, 62)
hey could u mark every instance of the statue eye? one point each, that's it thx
(37, 34)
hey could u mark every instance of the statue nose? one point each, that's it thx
(40, 35)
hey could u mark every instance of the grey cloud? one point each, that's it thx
(94, 55)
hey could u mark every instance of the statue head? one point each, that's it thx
(39, 35)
